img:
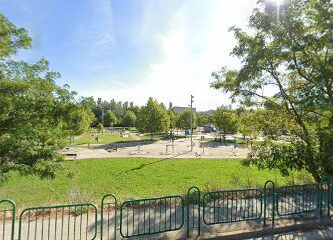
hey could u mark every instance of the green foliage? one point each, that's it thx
(202, 119)
(173, 118)
(110, 119)
(247, 125)
(78, 119)
(129, 119)
(36, 115)
(287, 157)
(102, 110)
(153, 118)
(185, 118)
(268, 123)
(289, 48)
(12, 38)
(225, 120)
(100, 127)
(35, 118)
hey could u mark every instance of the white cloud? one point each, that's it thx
(192, 53)
(196, 43)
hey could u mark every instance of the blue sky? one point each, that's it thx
(132, 49)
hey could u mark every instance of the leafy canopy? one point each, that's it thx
(290, 52)
(225, 120)
(153, 118)
(129, 119)
(110, 119)
(185, 118)
(36, 115)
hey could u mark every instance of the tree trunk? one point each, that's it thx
(326, 149)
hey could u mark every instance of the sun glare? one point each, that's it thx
(277, 2)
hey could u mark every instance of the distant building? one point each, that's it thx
(180, 110)
(208, 112)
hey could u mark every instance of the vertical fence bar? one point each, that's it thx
(325, 196)
(115, 203)
(194, 190)
(12, 209)
(273, 202)
(70, 226)
(141, 209)
(214, 203)
(328, 198)
(320, 197)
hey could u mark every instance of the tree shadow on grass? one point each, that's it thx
(124, 144)
(157, 161)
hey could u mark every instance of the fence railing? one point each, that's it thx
(77, 221)
(151, 215)
(142, 217)
(7, 219)
(297, 199)
(232, 206)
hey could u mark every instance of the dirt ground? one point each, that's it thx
(180, 148)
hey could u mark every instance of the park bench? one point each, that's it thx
(73, 155)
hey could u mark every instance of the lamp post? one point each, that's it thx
(191, 122)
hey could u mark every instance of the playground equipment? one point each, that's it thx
(167, 148)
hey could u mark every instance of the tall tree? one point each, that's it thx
(225, 120)
(173, 117)
(36, 115)
(129, 119)
(202, 119)
(110, 119)
(12, 38)
(289, 48)
(153, 118)
(185, 118)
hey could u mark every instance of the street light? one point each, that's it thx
(191, 106)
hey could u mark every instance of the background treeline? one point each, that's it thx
(111, 113)
(155, 117)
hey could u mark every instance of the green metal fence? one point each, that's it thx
(151, 215)
(62, 222)
(297, 199)
(232, 206)
(142, 217)
(7, 219)
(109, 221)
(269, 202)
(193, 202)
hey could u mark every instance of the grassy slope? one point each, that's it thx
(89, 180)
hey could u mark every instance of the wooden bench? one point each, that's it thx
(74, 155)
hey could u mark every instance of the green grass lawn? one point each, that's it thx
(88, 180)
(106, 138)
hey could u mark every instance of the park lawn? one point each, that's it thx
(88, 180)
(105, 138)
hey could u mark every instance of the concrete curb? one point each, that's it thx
(304, 227)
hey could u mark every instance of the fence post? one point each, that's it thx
(320, 197)
(115, 202)
(13, 210)
(273, 202)
(188, 200)
(327, 198)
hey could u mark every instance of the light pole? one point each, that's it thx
(191, 122)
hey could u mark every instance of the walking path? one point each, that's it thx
(162, 149)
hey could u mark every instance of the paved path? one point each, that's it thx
(163, 149)
(317, 234)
